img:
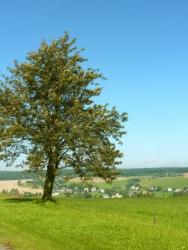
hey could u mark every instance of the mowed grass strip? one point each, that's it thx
(138, 223)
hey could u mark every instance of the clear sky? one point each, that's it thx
(141, 46)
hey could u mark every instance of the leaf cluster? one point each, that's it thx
(48, 113)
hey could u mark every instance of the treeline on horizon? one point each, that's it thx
(17, 175)
(162, 171)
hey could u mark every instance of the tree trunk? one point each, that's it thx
(49, 181)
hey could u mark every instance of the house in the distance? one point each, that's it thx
(106, 196)
(118, 196)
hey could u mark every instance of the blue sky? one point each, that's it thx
(141, 46)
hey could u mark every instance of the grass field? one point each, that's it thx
(148, 181)
(138, 223)
(165, 182)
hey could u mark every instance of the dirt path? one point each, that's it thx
(4, 247)
(13, 184)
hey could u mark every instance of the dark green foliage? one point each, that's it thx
(15, 175)
(133, 182)
(6, 175)
(172, 171)
(47, 113)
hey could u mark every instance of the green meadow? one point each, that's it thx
(149, 181)
(165, 182)
(82, 224)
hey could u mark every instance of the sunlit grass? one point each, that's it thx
(138, 223)
(149, 181)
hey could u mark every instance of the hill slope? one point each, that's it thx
(134, 224)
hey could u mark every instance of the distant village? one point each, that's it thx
(65, 188)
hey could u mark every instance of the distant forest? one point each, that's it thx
(16, 175)
(163, 171)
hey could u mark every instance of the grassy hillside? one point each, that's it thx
(165, 182)
(148, 181)
(133, 224)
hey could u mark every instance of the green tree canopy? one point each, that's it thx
(48, 113)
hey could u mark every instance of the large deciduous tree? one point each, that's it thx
(48, 114)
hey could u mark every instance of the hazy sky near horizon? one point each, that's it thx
(141, 46)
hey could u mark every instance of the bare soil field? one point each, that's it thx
(185, 175)
(13, 184)
(95, 179)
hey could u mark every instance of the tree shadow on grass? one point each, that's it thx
(26, 200)
(19, 200)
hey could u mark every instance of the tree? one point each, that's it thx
(48, 114)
